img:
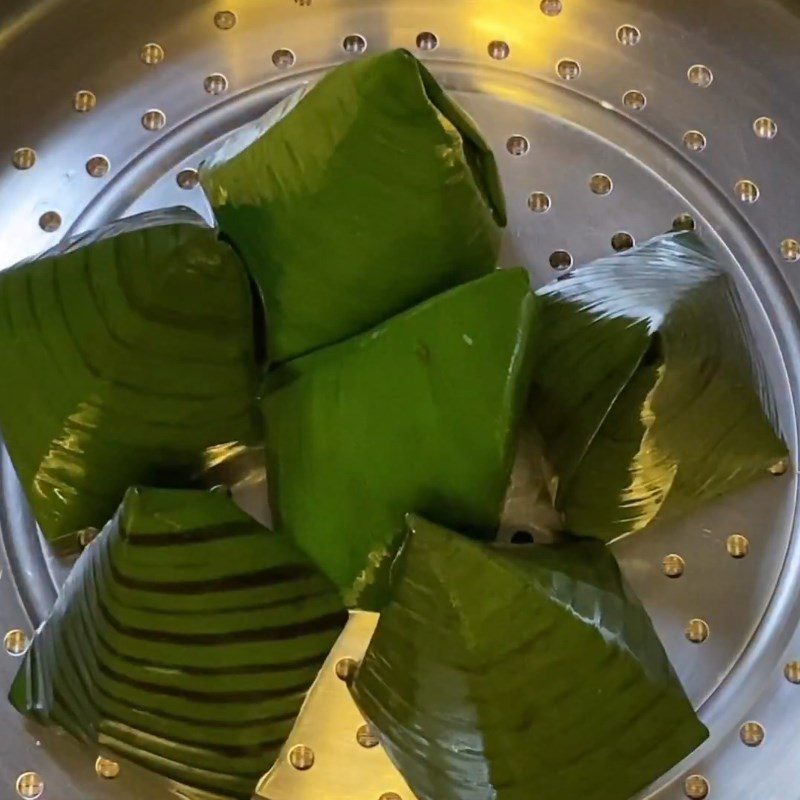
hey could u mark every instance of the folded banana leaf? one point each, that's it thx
(185, 639)
(647, 395)
(374, 192)
(509, 673)
(128, 355)
(421, 412)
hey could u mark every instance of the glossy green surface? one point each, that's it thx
(184, 639)
(126, 358)
(646, 393)
(419, 413)
(511, 673)
(371, 195)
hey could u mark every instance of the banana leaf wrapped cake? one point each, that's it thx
(374, 192)
(420, 413)
(185, 639)
(509, 673)
(647, 395)
(129, 355)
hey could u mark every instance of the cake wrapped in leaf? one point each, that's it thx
(648, 395)
(129, 354)
(185, 639)
(422, 412)
(368, 194)
(509, 673)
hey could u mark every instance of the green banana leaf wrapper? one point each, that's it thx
(422, 412)
(129, 354)
(368, 194)
(509, 673)
(647, 396)
(185, 639)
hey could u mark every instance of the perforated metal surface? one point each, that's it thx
(609, 120)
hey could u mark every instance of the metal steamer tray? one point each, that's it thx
(612, 122)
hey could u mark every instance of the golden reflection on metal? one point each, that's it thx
(499, 50)
(216, 83)
(568, 69)
(50, 221)
(518, 145)
(427, 41)
(152, 54)
(15, 642)
(560, 260)
(694, 141)
(98, 166)
(629, 35)
(747, 191)
(696, 787)
(539, 202)
(673, 566)
(106, 768)
(30, 785)
(283, 58)
(24, 158)
(737, 545)
(84, 101)
(700, 75)
(527, 39)
(301, 757)
(346, 669)
(697, 631)
(348, 764)
(551, 8)
(366, 736)
(190, 179)
(355, 44)
(622, 241)
(790, 250)
(225, 20)
(792, 672)
(782, 467)
(683, 222)
(752, 734)
(765, 128)
(634, 100)
(601, 184)
(154, 120)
